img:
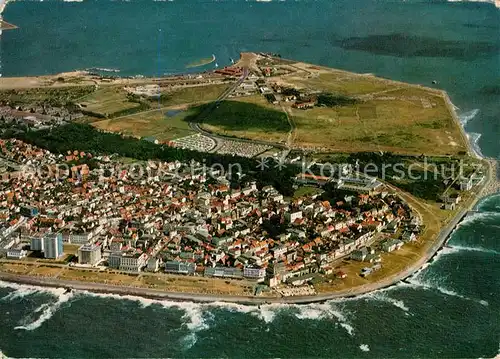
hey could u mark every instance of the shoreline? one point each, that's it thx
(201, 63)
(489, 188)
(154, 294)
(434, 245)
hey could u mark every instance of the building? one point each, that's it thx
(153, 264)
(36, 244)
(16, 253)
(114, 260)
(227, 272)
(254, 273)
(180, 267)
(392, 245)
(304, 105)
(89, 254)
(53, 245)
(292, 217)
(134, 262)
(79, 238)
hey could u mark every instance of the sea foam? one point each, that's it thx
(47, 310)
(364, 347)
(429, 285)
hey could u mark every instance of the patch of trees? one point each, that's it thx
(83, 137)
(331, 100)
(270, 97)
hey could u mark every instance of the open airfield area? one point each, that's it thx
(274, 102)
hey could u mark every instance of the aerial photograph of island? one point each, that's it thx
(249, 179)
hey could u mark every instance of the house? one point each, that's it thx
(253, 272)
(341, 275)
(153, 264)
(292, 217)
(304, 105)
(16, 253)
(361, 254)
(365, 272)
(392, 227)
(391, 245)
(180, 267)
(408, 236)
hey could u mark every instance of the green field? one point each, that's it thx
(190, 95)
(249, 117)
(344, 83)
(53, 96)
(152, 123)
(411, 120)
(109, 101)
(306, 191)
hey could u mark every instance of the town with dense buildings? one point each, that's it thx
(94, 211)
(184, 221)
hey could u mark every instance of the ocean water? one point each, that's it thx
(449, 309)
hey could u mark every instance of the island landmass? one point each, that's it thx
(316, 209)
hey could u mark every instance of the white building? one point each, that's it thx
(16, 253)
(53, 246)
(79, 238)
(293, 216)
(133, 263)
(89, 254)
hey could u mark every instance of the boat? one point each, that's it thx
(216, 65)
(232, 60)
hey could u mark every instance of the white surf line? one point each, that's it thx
(195, 313)
(364, 347)
(382, 296)
(456, 249)
(195, 322)
(3, 356)
(48, 310)
(19, 293)
(428, 286)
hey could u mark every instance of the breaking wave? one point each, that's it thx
(382, 296)
(47, 310)
(364, 347)
(478, 216)
(467, 116)
(430, 285)
(473, 137)
(457, 249)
